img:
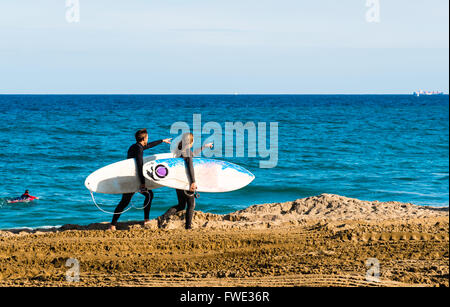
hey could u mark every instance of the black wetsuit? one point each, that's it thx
(183, 198)
(136, 151)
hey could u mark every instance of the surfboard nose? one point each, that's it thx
(246, 178)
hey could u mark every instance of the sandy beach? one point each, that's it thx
(324, 240)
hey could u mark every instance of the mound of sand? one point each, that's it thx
(325, 207)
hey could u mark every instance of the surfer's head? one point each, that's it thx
(141, 136)
(26, 192)
(187, 140)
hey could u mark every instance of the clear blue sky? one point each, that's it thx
(226, 46)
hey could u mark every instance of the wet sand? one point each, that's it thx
(317, 241)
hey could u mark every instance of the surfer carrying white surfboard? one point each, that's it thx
(136, 151)
(184, 151)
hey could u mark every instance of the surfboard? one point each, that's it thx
(20, 200)
(210, 175)
(121, 177)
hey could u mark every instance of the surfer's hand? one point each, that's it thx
(167, 140)
(209, 145)
(193, 187)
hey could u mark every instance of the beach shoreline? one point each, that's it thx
(324, 240)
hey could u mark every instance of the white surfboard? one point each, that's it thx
(121, 177)
(210, 175)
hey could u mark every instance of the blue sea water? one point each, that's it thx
(371, 147)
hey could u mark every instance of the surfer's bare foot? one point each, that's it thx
(146, 223)
(112, 227)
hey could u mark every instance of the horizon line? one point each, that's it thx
(213, 94)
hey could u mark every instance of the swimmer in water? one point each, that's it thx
(27, 196)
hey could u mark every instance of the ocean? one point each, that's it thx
(370, 147)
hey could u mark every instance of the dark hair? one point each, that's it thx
(26, 191)
(187, 139)
(140, 135)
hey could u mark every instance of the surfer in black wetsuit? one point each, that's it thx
(184, 151)
(136, 151)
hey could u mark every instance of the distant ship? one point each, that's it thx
(427, 93)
